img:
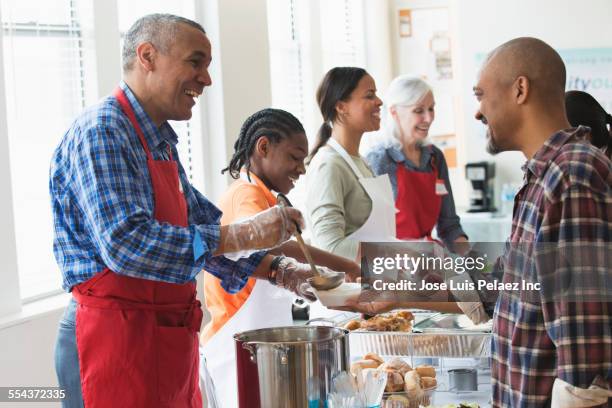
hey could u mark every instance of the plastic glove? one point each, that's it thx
(265, 230)
(371, 302)
(292, 275)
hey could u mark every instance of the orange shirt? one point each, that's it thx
(241, 200)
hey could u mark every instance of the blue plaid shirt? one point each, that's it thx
(102, 201)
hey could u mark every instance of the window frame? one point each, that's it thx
(70, 30)
(102, 20)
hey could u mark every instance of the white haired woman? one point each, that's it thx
(418, 171)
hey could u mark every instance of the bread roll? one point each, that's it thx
(412, 384)
(428, 382)
(396, 364)
(426, 371)
(353, 325)
(363, 364)
(374, 356)
(395, 382)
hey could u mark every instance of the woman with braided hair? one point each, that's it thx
(268, 158)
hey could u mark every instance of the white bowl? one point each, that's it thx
(340, 296)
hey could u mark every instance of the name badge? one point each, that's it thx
(441, 187)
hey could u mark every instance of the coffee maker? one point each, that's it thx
(480, 175)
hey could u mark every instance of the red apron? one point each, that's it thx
(137, 339)
(418, 202)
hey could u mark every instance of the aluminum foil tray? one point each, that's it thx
(434, 335)
(455, 345)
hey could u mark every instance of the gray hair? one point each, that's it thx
(158, 29)
(405, 90)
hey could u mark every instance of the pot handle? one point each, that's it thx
(282, 350)
(252, 348)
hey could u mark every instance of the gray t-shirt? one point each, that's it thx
(336, 203)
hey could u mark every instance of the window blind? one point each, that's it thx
(44, 83)
(342, 41)
(286, 52)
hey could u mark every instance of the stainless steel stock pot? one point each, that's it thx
(289, 367)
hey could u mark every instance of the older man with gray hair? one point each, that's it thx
(131, 232)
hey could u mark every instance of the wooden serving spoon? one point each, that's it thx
(318, 281)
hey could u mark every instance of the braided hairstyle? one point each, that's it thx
(276, 124)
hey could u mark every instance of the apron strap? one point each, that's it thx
(347, 158)
(434, 164)
(169, 151)
(244, 176)
(127, 109)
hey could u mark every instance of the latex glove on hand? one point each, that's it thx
(353, 273)
(265, 230)
(293, 275)
(370, 302)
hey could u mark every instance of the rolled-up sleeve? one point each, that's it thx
(233, 274)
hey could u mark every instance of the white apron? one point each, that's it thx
(380, 225)
(266, 306)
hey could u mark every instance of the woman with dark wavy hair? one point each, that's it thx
(583, 109)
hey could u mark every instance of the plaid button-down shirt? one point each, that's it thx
(102, 201)
(566, 199)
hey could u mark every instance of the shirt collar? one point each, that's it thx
(396, 153)
(549, 150)
(270, 196)
(154, 136)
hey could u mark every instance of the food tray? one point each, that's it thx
(454, 345)
(433, 335)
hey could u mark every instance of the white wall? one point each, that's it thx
(482, 25)
(9, 289)
(241, 79)
(26, 354)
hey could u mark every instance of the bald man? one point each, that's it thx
(549, 350)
